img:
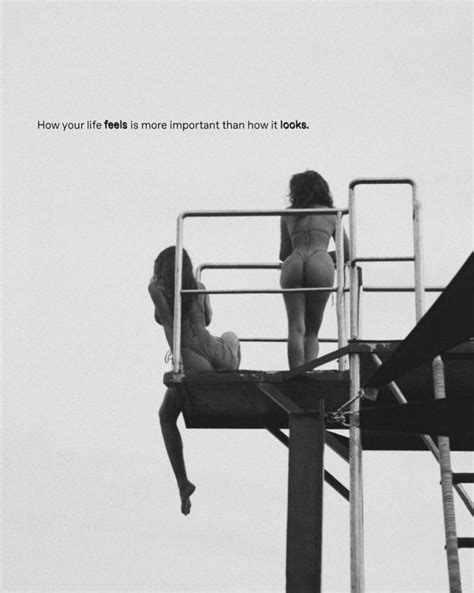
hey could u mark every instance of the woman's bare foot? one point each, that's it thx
(185, 493)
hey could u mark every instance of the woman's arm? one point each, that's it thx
(345, 246)
(285, 241)
(207, 304)
(163, 313)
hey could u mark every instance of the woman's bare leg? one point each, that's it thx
(315, 305)
(292, 276)
(311, 347)
(314, 318)
(319, 271)
(169, 412)
(295, 310)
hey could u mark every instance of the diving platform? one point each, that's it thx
(234, 399)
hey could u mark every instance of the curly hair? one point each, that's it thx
(309, 188)
(163, 270)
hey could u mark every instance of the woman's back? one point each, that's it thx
(310, 231)
(195, 316)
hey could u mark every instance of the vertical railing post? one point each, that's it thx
(178, 275)
(340, 301)
(356, 485)
(355, 442)
(354, 288)
(347, 303)
(454, 573)
(418, 255)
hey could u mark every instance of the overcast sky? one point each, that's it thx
(89, 499)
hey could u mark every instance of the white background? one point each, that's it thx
(89, 500)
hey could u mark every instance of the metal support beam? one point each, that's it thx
(463, 478)
(328, 477)
(316, 362)
(305, 502)
(336, 485)
(279, 398)
(278, 434)
(337, 446)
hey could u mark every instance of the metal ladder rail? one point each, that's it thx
(453, 542)
(417, 256)
(442, 453)
(355, 442)
(449, 481)
(430, 444)
(452, 554)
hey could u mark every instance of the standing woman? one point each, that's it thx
(200, 351)
(307, 263)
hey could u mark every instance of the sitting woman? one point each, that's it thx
(200, 351)
(307, 263)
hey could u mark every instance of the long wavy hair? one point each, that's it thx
(163, 270)
(309, 189)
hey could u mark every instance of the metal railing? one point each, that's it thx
(339, 290)
(355, 440)
(254, 266)
(417, 256)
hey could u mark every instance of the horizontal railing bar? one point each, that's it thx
(382, 181)
(239, 266)
(308, 289)
(281, 212)
(323, 340)
(259, 291)
(382, 259)
(400, 289)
